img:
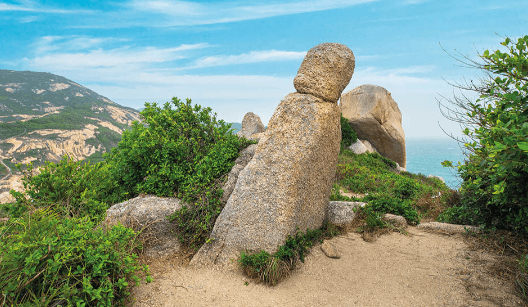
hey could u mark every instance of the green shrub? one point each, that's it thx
(179, 150)
(387, 204)
(494, 190)
(348, 135)
(74, 188)
(49, 260)
(272, 268)
(404, 193)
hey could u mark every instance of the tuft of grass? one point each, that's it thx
(272, 268)
(521, 280)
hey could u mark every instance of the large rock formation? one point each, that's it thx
(286, 186)
(375, 117)
(240, 163)
(251, 124)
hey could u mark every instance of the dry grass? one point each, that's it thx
(507, 248)
(430, 206)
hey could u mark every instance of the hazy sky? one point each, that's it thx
(241, 56)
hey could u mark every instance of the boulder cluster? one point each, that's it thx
(282, 184)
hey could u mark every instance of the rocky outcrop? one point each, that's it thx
(342, 213)
(251, 124)
(287, 184)
(375, 117)
(149, 214)
(240, 163)
(325, 71)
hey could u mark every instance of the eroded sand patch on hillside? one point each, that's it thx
(422, 269)
(121, 116)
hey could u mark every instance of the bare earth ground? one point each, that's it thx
(419, 269)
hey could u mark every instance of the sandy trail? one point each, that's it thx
(419, 269)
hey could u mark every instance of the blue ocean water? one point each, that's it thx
(424, 156)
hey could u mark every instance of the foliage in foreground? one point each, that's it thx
(73, 188)
(272, 268)
(49, 260)
(179, 150)
(495, 176)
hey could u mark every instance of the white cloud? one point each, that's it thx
(194, 13)
(74, 42)
(110, 58)
(35, 8)
(251, 57)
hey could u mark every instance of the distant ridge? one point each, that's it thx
(45, 116)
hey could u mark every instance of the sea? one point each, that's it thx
(425, 155)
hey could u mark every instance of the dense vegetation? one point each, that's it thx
(494, 192)
(184, 152)
(52, 251)
(495, 175)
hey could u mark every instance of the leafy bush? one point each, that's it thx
(272, 268)
(184, 152)
(48, 260)
(348, 135)
(396, 206)
(494, 189)
(74, 188)
(406, 194)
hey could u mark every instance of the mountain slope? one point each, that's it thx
(44, 116)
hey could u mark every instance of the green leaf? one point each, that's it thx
(523, 146)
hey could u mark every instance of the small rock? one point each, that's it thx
(369, 146)
(251, 124)
(437, 177)
(341, 213)
(330, 250)
(399, 169)
(395, 220)
(358, 147)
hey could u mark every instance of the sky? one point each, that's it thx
(241, 56)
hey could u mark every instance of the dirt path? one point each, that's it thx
(9, 173)
(419, 269)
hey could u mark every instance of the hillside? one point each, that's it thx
(44, 116)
